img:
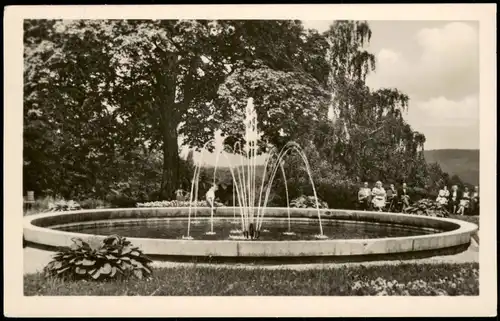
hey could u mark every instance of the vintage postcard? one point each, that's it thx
(250, 160)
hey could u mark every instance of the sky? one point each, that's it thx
(436, 63)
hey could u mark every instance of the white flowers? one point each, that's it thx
(176, 203)
(381, 287)
(63, 205)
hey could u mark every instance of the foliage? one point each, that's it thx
(308, 202)
(367, 139)
(286, 74)
(90, 203)
(106, 103)
(368, 135)
(114, 256)
(427, 207)
(287, 104)
(68, 133)
(415, 279)
(101, 88)
(340, 193)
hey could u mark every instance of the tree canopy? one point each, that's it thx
(102, 98)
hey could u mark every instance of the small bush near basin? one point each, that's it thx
(307, 202)
(114, 256)
(406, 279)
(427, 207)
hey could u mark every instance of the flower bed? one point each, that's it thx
(382, 287)
(62, 205)
(176, 203)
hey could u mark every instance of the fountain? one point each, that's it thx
(226, 233)
(245, 183)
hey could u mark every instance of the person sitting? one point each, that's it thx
(464, 201)
(443, 196)
(404, 196)
(379, 196)
(392, 195)
(454, 199)
(364, 196)
(474, 201)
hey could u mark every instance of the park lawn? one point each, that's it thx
(470, 219)
(391, 279)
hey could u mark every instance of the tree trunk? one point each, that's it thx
(169, 120)
(170, 171)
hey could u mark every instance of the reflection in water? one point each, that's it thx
(224, 228)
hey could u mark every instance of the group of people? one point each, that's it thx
(379, 198)
(459, 202)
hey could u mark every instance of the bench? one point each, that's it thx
(29, 200)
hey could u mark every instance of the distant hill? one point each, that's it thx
(461, 162)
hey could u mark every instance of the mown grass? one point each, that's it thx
(402, 279)
(471, 219)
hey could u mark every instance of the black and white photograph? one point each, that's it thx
(182, 151)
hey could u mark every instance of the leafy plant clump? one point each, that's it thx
(114, 256)
(307, 202)
(428, 207)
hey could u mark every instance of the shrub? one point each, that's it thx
(122, 194)
(342, 194)
(420, 193)
(91, 203)
(307, 202)
(112, 257)
(427, 207)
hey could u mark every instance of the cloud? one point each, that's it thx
(447, 66)
(320, 25)
(447, 123)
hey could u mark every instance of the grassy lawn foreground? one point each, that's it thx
(403, 279)
(470, 219)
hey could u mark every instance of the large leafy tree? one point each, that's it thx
(202, 72)
(102, 94)
(369, 135)
(69, 133)
(286, 75)
(169, 74)
(368, 138)
(95, 90)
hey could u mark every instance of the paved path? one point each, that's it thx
(35, 260)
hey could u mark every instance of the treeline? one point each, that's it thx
(106, 103)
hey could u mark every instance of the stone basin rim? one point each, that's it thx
(46, 236)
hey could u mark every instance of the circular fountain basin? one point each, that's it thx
(162, 232)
